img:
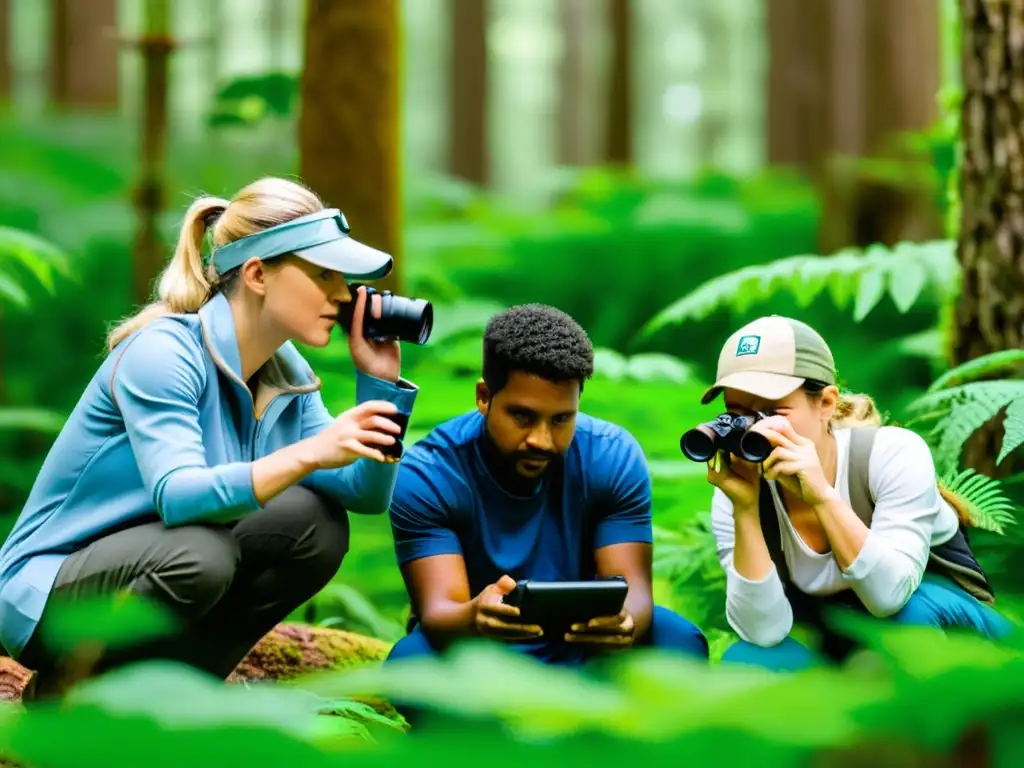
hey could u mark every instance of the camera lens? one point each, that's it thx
(406, 319)
(401, 318)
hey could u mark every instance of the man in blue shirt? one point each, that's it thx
(526, 486)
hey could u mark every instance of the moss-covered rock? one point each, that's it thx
(293, 650)
(286, 652)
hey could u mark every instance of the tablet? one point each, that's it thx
(556, 605)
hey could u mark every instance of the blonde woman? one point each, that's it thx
(842, 513)
(201, 469)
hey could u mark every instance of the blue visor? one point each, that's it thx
(320, 238)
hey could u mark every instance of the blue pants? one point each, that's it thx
(938, 602)
(668, 631)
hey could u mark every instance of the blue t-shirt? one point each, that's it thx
(448, 502)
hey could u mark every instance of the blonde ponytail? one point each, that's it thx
(856, 410)
(185, 285)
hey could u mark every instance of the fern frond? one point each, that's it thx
(24, 253)
(863, 277)
(996, 363)
(1013, 430)
(963, 409)
(981, 497)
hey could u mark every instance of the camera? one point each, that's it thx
(401, 318)
(729, 432)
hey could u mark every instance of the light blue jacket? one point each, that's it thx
(155, 430)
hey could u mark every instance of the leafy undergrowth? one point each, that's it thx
(927, 699)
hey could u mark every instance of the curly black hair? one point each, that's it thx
(537, 339)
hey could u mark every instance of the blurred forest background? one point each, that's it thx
(664, 170)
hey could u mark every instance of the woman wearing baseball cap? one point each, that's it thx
(844, 512)
(200, 469)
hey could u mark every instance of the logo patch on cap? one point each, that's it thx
(748, 345)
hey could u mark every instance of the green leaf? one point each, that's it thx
(610, 363)
(979, 368)
(869, 292)
(13, 292)
(907, 278)
(987, 504)
(848, 274)
(1013, 430)
(653, 366)
(31, 420)
(82, 625)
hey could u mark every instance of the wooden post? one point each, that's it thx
(573, 148)
(6, 66)
(156, 45)
(350, 118)
(468, 152)
(619, 114)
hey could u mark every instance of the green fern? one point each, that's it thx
(905, 272)
(982, 498)
(984, 367)
(25, 255)
(958, 412)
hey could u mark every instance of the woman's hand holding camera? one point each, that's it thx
(354, 434)
(382, 359)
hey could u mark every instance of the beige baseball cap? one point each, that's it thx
(771, 357)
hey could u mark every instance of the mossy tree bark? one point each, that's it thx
(349, 138)
(990, 308)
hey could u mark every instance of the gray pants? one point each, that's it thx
(228, 585)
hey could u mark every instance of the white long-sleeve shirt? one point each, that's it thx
(910, 517)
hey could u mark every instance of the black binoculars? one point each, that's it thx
(401, 318)
(729, 432)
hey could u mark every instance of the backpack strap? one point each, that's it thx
(771, 531)
(862, 441)
(953, 559)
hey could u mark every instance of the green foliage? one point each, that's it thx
(687, 559)
(612, 248)
(648, 708)
(957, 406)
(24, 256)
(1000, 363)
(251, 99)
(906, 273)
(983, 497)
(350, 610)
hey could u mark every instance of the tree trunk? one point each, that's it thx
(619, 122)
(349, 121)
(572, 119)
(468, 155)
(839, 82)
(84, 53)
(6, 66)
(990, 307)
